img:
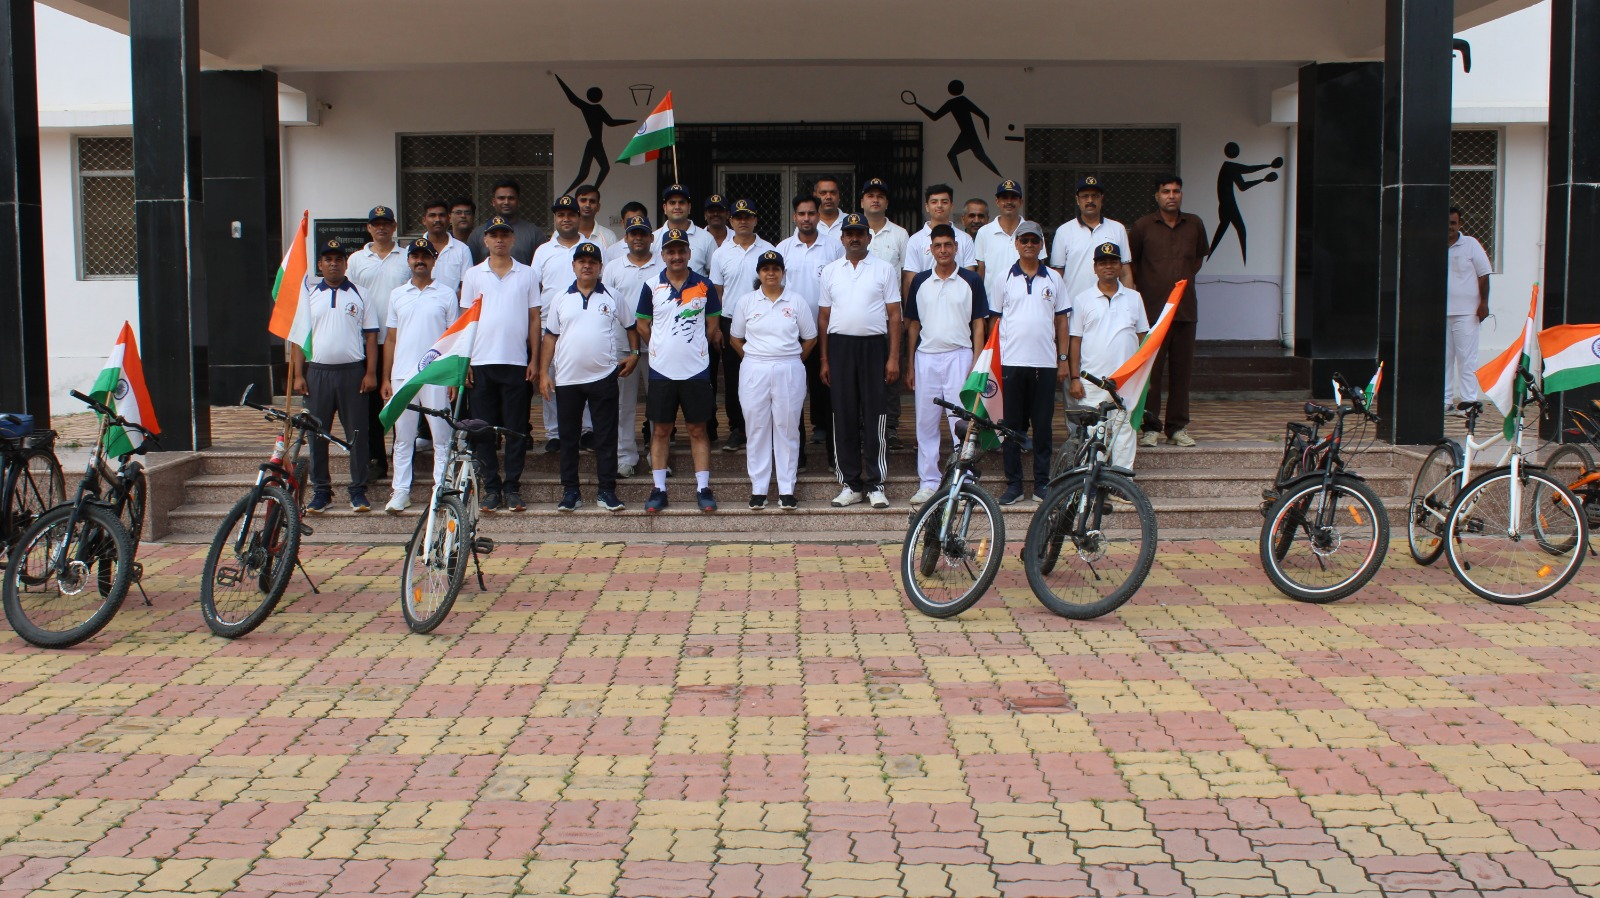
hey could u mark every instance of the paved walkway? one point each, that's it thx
(735, 721)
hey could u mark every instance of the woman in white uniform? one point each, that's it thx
(773, 330)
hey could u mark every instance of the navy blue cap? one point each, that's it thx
(714, 201)
(855, 221)
(875, 184)
(1008, 186)
(637, 223)
(769, 258)
(1108, 252)
(586, 250)
(1090, 182)
(743, 207)
(673, 236)
(421, 245)
(380, 213)
(675, 190)
(564, 202)
(330, 246)
(498, 223)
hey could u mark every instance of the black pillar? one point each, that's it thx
(1416, 203)
(24, 346)
(243, 234)
(1338, 212)
(167, 216)
(1572, 216)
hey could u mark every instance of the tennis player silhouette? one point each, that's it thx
(963, 110)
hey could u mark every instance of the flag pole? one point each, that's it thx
(675, 178)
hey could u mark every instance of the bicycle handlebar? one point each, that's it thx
(304, 420)
(966, 415)
(109, 412)
(472, 426)
(1107, 384)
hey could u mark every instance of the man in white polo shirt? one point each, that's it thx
(1072, 254)
(454, 257)
(889, 244)
(419, 311)
(733, 271)
(1108, 323)
(859, 322)
(829, 215)
(505, 359)
(376, 269)
(1467, 306)
(938, 201)
(580, 339)
(588, 197)
(675, 206)
(623, 277)
(805, 254)
(552, 265)
(995, 247)
(1033, 308)
(945, 312)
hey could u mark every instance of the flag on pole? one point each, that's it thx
(1133, 378)
(121, 386)
(1571, 356)
(654, 135)
(1501, 380)
(1370, 394)
(444, 365)
(981, 393)
(286, 289)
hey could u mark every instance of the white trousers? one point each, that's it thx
(1461, 359)
(772, 392)
(405, 434)
(628, 416)
(940, 375)
(1123, 438)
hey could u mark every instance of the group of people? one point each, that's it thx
(849, 311)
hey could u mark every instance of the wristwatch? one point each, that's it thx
(1062, 358)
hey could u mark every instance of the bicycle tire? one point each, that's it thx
(37, 487)
(451, 554)
(1568, 464)
(1286, 527)
(1067, 456)
(1433, 491)
(923, 556)
(1475, 514)
(267, 562)
(28, 582)
(302, 476)
(1050, 535)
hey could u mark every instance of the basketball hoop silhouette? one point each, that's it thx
(641, 93)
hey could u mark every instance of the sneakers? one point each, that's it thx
(490, 501)
(552, 446)
(358, 502)
(320, 501)
(818, 436)
(1148, 439)
(788, 502)
(609, 501)
(877, 499)
(625, 471)
(736, 441)
(586, 441)
(570, 501)
(1181, 438)
(1012, 495)
(893, 440)
(758, 501)
(846, 498)
(513, 500)
(1120, 504)
(400, 501)
(1038, 494)
(921, 496)
(707, 501)
(656, 503)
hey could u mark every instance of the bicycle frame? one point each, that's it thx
(1470, 448)
(460, 479)
(88, 490)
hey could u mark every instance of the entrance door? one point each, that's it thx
(771, 187)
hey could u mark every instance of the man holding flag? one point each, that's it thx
(1032, 305)
(419, 311)
(1108, 323)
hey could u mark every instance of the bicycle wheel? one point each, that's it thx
(251, 558)
(433, 575)
(1090, 546)
(1067, 456)
(39, 486)
(59, 608)
(1433, 491)
(1568, 465)
(945, 575)
(1521, 557)
(1322, 543)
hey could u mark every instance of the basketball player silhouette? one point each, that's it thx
(596, 117)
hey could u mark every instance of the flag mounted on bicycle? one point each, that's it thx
(1571, 356)
(121, 386)
(444, 365)
(1369, 396)
(1133, 378)
(286, 321)
(981, 394)
(1501, 380)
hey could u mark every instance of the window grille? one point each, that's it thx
(1475, 185)
(445, 166)
(1127, 161)
(106, 236)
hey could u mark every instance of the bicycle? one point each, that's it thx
(31, 481)
(1315, 493)
(947, 563)
(436, 557)
(1573, 464)
(1511, 548)
(257, 545)
(1443, 474)
(1076, 513)
(86, 541)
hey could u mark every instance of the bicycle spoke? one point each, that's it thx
(1520, 554)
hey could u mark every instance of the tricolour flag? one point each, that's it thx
(121, 386)
(654, 135)
(1501, 380)
(1571, 356)
(1133, 378)
(1370, 394)
(981, 393)
(445, 365)
(286, 289)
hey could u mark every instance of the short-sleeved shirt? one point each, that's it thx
(418, 317)
(623, 280)
(889, 244)
(702, 246)
(1468, 262)
(919, 255)
(1028, 307)
(1110, 327)
(584, 326)
(997, 250)
(803, 264)
(859, 295)
(733, 270)
(679, 349)
(452, 264)
(1073, 251)
(341, 318)
(528, 238)
(1163, 255)
(602, 236)
(376, 277)
(945, 308)
(772, 328)
(552, 264)
(503, 323)
(831, 232)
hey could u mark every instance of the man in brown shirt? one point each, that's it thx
(1169, 245)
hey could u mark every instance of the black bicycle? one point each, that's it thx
(30, 478)
(1325, 532)
(1092, 542)
(70, 570)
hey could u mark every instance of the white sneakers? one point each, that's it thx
(877, 499)
(846, 498)
(921, 496)
(399, 502)
(1148, 439)
(625, 470)
(1181, 437)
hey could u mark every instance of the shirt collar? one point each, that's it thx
(346, 284)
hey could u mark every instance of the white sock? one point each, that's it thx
(661, 478)
(702, 480)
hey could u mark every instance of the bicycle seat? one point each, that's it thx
(961, 430)
(1083, 414)
(476, 427)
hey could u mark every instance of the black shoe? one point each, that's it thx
(735, 442)
(569, 501)
(378, 468)
(513, 499)
(490, 501)
(1012, 495)
(707, 501)
(586, 442)
(894, 441)
(552, 446)
(788, 502)
(818, 437)
(758, 501)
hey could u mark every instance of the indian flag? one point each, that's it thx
(1133, 378)
(121, 386)
(981, 393)
(1370, 394)
(1571, 356)
(444, 365)
(1501, 380)
(656, 134)
(286, 289)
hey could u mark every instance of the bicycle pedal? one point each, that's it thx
(1269, 495)
(483, 545)
(305, 530)
(229, 576)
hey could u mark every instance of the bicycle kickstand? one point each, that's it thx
(144, 595)
(307, 574)
(478, 568)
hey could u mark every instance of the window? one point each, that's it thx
(445, 166)
(1475, 185)
(106, 246)
(1127, 161)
